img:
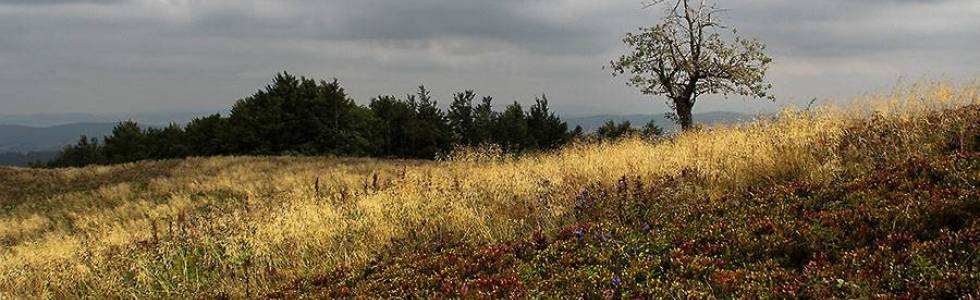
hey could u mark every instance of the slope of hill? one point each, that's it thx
(590, 123)
(16, 138)
(18, 159)
(825, 204)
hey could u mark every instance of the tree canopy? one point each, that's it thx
(302, 116)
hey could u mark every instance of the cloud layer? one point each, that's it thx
(139, 55)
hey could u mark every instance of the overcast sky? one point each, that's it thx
(162, 55)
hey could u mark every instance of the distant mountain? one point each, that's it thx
(147, 118)
(21, 134)
(590, 123)
(17, 159)
(23, 139)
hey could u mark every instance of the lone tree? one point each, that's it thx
(686, 56)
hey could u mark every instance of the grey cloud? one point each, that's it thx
(185, 54)
(375, 20)
(841, 27)
(55, 2)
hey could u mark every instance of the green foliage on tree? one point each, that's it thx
(652, 130)
(484, 120)
(207, 136)
(431, 136)
(611, 130)
(87, 151)
(127, 143)
(298, 115)
(461, 117)
(577, 134)
(396, 118)
(166, 143)
(547, 130)
(511, 129)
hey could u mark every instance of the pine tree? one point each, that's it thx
(207, 136)
(397, 124)
(126, 144)
(461, 119)
(651, 130)
(511, 129)
(547, 130)
(432, 136)
(166, 143)
(484, 120)
(610, 130)
(87, 151)
(300, 115)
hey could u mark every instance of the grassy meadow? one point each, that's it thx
(876, 198)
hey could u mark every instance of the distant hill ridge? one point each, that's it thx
(22, 138)
(590, 123)
(152, 118)
(25, 159)
(19, 138)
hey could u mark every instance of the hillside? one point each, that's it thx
(878, 200)
(17, 138)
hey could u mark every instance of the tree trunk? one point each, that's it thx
(684, 117)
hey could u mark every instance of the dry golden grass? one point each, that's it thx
(237, 225)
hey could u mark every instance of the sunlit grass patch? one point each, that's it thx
(236, 225)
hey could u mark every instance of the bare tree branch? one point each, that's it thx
(685, 56)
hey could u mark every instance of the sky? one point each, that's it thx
(96, 56)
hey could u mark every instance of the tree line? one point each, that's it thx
(303, 116)
(682, 57)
